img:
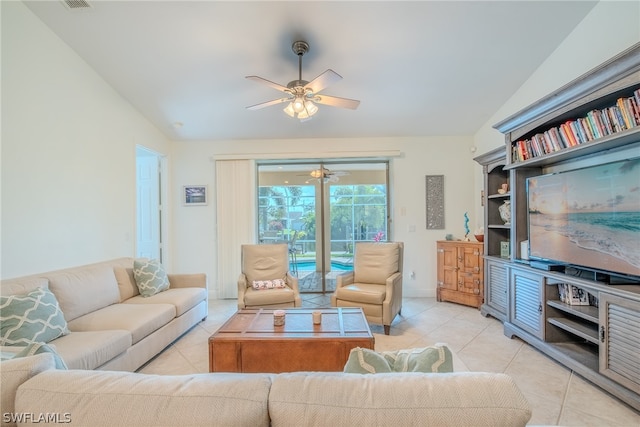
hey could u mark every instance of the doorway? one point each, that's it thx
(149, 198)
(321, 210)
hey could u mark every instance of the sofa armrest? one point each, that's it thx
(197, 280)
(344, 279)
(14, 372)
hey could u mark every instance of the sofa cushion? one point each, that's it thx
(15, 372)
(82, 290)
(150, 276)
(375, 262)
(31, 317)
(90, 350)
(126, 282)
(22, 285)
(184, 299)
(139, 319)
(102, 398)
(437, 358)
(397, 398)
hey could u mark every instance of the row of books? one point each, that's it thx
(625, 114)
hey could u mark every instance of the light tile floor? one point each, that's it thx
(556, 394)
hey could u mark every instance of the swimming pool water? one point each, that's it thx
(311, 265)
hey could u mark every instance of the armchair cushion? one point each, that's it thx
(254, 298)
(364, 293)
(265, 262)
(375, 262)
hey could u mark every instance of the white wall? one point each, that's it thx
(610, 28)
(195, 235)
(68, 154)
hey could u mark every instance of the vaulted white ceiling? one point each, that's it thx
(419, 67)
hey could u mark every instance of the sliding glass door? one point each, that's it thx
(321, 210)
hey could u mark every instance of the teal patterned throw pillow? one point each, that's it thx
(437, 358)
(33, 349)
(150, 277)
(31, 317)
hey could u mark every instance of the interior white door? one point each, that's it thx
(148, 243)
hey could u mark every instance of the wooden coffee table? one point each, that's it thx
(249, 342)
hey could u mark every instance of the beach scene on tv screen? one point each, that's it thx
(588, 217)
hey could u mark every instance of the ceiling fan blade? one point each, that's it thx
(325, 79)
(268, 103)
(276, 86)
(334, 101)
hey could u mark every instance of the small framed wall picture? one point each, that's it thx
(194, 195)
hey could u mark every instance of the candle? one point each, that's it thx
(278, 317)
(317, 317)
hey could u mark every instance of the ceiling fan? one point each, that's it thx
(303, 95)
(327, 175)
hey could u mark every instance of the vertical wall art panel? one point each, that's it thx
(435, 202)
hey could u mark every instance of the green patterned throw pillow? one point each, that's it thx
(150, 276)
(31, 317)
(33, 349)
(437, 358)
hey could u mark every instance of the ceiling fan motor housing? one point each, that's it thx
(300, 47)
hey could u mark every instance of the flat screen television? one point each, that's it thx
(588, 218)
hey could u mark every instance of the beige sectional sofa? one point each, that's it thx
(112, 326)
(32, 389)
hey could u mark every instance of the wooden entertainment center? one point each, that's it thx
(600, 341)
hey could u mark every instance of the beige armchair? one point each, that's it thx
(267, 263)
(375, 284)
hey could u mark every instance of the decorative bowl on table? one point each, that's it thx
(479, 237)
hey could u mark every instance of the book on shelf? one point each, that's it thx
(595, 124)
(572, 295)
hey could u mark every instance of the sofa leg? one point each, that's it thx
(387, 329)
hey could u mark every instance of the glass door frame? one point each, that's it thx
(322, 207)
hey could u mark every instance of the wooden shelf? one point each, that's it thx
(503, 226)
(610, 142)
(581, 353)
(499, 196)
(585, 331)
(587, 312)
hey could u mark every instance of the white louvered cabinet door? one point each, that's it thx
(620, 340)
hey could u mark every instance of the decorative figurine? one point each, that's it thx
(466, 226)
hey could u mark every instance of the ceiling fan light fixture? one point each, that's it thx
(289, 110)
(316, 173)
(310, 107)
(301, 109)
(298, 104)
